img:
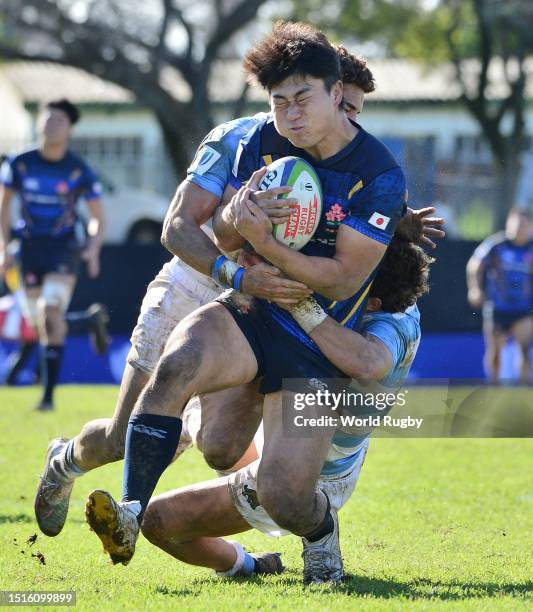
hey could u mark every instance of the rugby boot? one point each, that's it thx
(322, 559)
(267, 563)
(53, 493)
(115, 524)
(98, 320)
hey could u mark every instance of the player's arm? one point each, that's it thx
(278, 211)
(6, 196)
(226, 236)
(96, 232)
(363, 357)
(336, 278)
(191, 207)
(475, 271)
(182, 235)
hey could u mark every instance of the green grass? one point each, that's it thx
(433, 524)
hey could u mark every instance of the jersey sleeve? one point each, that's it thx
(376, 208)
(211, 166)
(9, 176)
(484, 250)
(92, 188)
(248, 158)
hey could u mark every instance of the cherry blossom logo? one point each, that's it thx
(335, 214)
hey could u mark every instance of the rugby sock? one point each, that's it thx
(151, 442)
(245, 564)
(64, 464)
(20, 360)
(51, 358)
(325, 527)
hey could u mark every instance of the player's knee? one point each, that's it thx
(220, 453)
(287, 501)
(152, 525)
(116, 442)
(221, 456)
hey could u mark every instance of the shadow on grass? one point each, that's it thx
(16, 518)
(381, 588)
(425, 588)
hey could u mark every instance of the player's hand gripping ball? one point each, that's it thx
(306, 189)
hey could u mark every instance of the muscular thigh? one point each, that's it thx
(206, 352)
(292, 461)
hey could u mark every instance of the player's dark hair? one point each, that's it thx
(402, 277)
(71, 110)
(293, 49)
(355, 71)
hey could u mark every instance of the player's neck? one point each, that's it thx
(53, 151)
(340, 136)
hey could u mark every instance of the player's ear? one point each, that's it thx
(373, 304)
(337, 93)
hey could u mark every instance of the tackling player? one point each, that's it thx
(49, 180)
(186, 522)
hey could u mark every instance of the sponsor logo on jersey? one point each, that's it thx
(378, 220)
(31, 184)
(62, 187)
(205, 158)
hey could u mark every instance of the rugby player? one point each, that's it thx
(49, 180)
(255, 339)
(176, 291)
(500, 280)
(187, 522)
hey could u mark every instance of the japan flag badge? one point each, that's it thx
(378, 220)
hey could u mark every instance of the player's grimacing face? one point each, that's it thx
(54, 126)
(303, 110)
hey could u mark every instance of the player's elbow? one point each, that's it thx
(228, 243)
(172, 236)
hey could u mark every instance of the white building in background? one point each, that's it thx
(415, 110)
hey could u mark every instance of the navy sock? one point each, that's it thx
(19, 361)
(325, 527)
(51, 358)
(151, 443)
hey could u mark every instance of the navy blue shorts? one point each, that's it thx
(279, 353)
(44, 255)
(503, 321)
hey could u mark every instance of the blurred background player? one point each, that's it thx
(16, 326)
(49, 179)
(500, 279)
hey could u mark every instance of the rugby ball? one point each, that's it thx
(305, 217)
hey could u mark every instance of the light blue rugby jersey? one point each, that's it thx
(400, 332)
(214, 159)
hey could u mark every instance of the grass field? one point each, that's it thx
(433, 524)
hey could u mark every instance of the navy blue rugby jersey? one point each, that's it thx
(508, 273)
(363, 187)
(49, 191)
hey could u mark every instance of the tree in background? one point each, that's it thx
(473, 35)
(131, 44)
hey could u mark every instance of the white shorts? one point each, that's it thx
(174, 293)
(243, 489)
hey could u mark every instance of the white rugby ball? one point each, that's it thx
(306, 189)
